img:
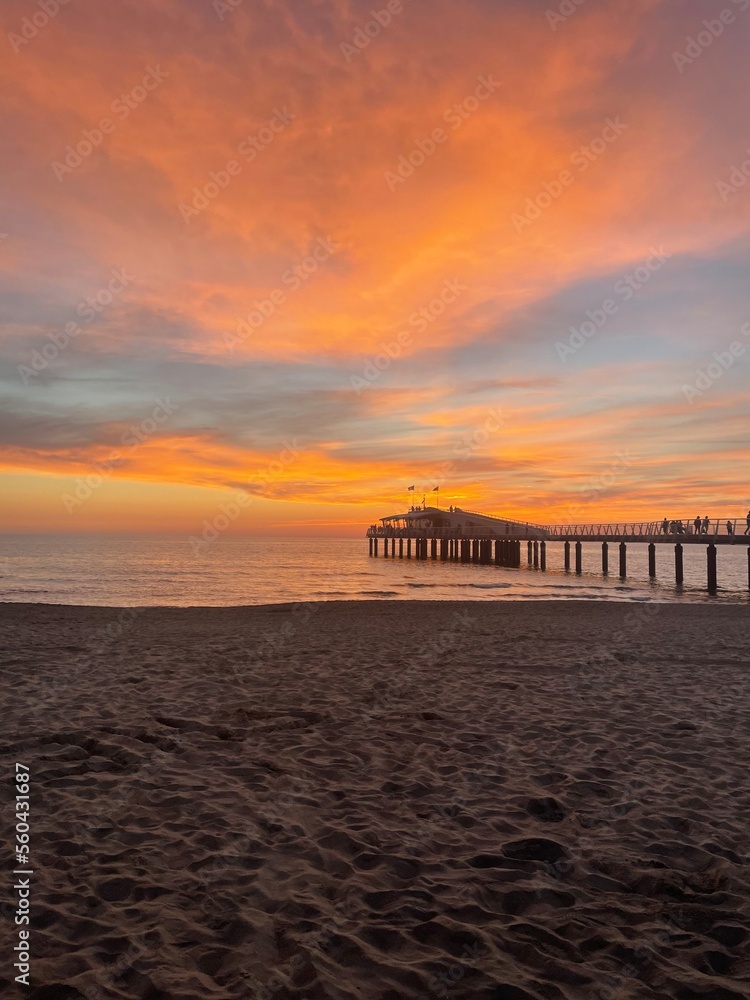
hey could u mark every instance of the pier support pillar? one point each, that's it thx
(498, 553)
(679, 572)
(475, 550)
(518, 555)
(530, 550)
(408, 548)
(376, 547)
(465, 550)
(652, 560)
(401, 548)
(443, 549)
(605, 558)
(567, 556)
(433, 548)
(543, 556)
(623, 560)
(748, 567)
(579, 558)
(713, 583)
(393, 548)
(371, 546)
(536, 555)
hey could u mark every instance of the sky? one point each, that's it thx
(275, 261)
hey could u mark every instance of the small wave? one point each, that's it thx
(380, 593)
(489, 586)
(22, 590)
(429, 585)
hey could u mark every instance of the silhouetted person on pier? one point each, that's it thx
(665, 526)
(747, 521)
(730, 528)
(706, 525)
(697, 525)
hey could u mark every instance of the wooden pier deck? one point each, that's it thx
(467, 536)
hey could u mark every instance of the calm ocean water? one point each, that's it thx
(127, 572)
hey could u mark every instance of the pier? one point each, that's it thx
(458, 535)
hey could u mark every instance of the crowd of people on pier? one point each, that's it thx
(700, 526)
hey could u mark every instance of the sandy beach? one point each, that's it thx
(382, 800)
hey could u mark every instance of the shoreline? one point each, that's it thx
(691, 599)
(387, 799)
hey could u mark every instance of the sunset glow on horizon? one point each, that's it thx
(315, 255)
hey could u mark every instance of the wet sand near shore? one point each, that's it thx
(382, 800)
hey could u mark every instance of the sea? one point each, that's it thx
(164, 571)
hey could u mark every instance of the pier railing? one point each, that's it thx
(716, 528)
(674, 530)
